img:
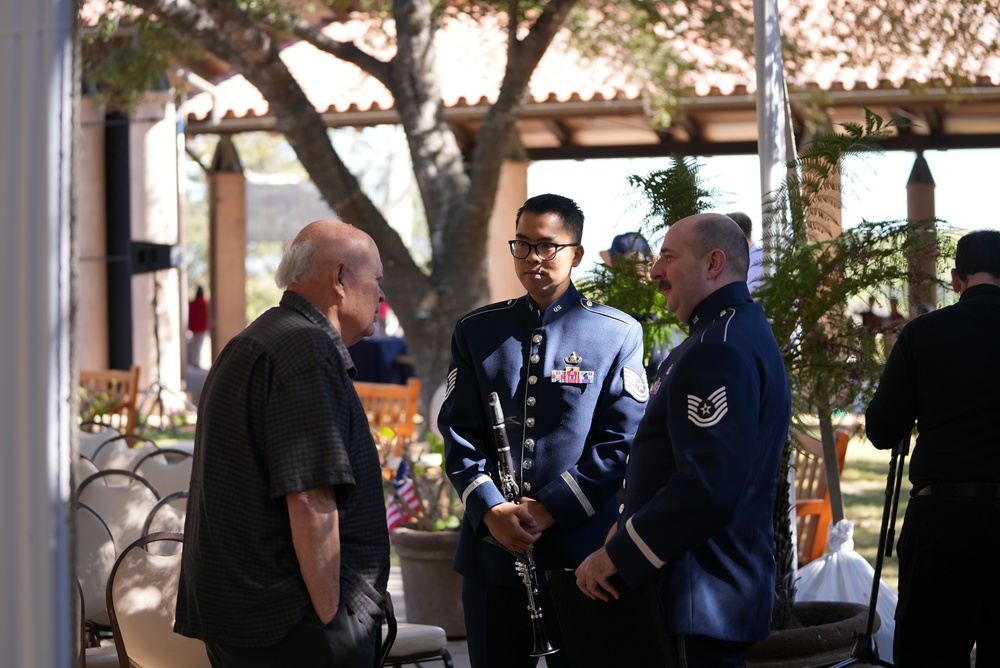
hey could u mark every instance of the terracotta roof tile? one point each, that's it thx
(471, 69)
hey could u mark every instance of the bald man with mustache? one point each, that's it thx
(703, 472)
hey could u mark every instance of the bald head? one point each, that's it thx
(315, 246)
(714, 231)
(700, 254)
(336, 267)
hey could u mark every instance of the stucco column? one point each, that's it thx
(157, 337)
(227, 241)
(91, 332)
(511, 193)
(920, 213)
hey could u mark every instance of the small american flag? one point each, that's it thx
(397, 513)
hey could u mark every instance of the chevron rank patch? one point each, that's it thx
(452, 377)
(635, 384)
(709, 411)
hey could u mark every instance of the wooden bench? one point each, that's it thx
(812, 498)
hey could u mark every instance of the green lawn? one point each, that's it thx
(863, 484)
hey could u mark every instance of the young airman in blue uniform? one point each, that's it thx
(703, 471)
(570, 379)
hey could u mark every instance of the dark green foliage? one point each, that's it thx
(126, 54)
(674, 193)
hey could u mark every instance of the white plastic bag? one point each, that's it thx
(844, 575)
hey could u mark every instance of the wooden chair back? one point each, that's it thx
(116, 393)
(812, 498)
(393, 406)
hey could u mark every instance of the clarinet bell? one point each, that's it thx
(540, 640)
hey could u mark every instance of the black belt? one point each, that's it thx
(967, 489)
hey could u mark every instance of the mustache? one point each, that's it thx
(663, 284)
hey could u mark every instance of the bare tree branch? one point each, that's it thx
(346, 51)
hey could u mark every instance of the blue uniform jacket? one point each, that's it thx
(574, 422)
(703, 473)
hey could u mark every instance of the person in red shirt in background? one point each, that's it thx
(198, 325)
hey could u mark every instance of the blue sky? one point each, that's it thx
(965, 184)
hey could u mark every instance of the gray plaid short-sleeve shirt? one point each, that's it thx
(278, 415)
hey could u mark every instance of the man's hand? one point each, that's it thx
(592, 575)
(512, 525)
(543, 518)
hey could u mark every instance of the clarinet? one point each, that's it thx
(524, 562)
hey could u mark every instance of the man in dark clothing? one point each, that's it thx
(703, 471)
(286, 551)
(943, 375)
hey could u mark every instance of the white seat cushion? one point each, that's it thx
(418, 639)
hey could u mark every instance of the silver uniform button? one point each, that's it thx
(529, 443)
(534, 359)
(623, 484)
(532, 380)
(627, 458)
(527, 487)
(537, 338)
(530, 422)
(621, 509)
(530, 401)
(527, 464)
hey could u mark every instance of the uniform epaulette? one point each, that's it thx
(717, 331)
(491, 308)
(605, 310)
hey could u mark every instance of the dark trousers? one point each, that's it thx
(498, 626)
(949, 583)
(343, 643)
(704, 652)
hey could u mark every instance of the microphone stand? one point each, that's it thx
(865, 649)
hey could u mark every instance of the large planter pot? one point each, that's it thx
(432, 591)
(826, 637)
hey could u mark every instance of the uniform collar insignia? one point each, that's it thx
(573, 359)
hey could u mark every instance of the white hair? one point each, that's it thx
(297, 264)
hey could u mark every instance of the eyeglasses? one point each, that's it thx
(545, 250)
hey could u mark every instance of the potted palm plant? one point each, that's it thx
(833, 361)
